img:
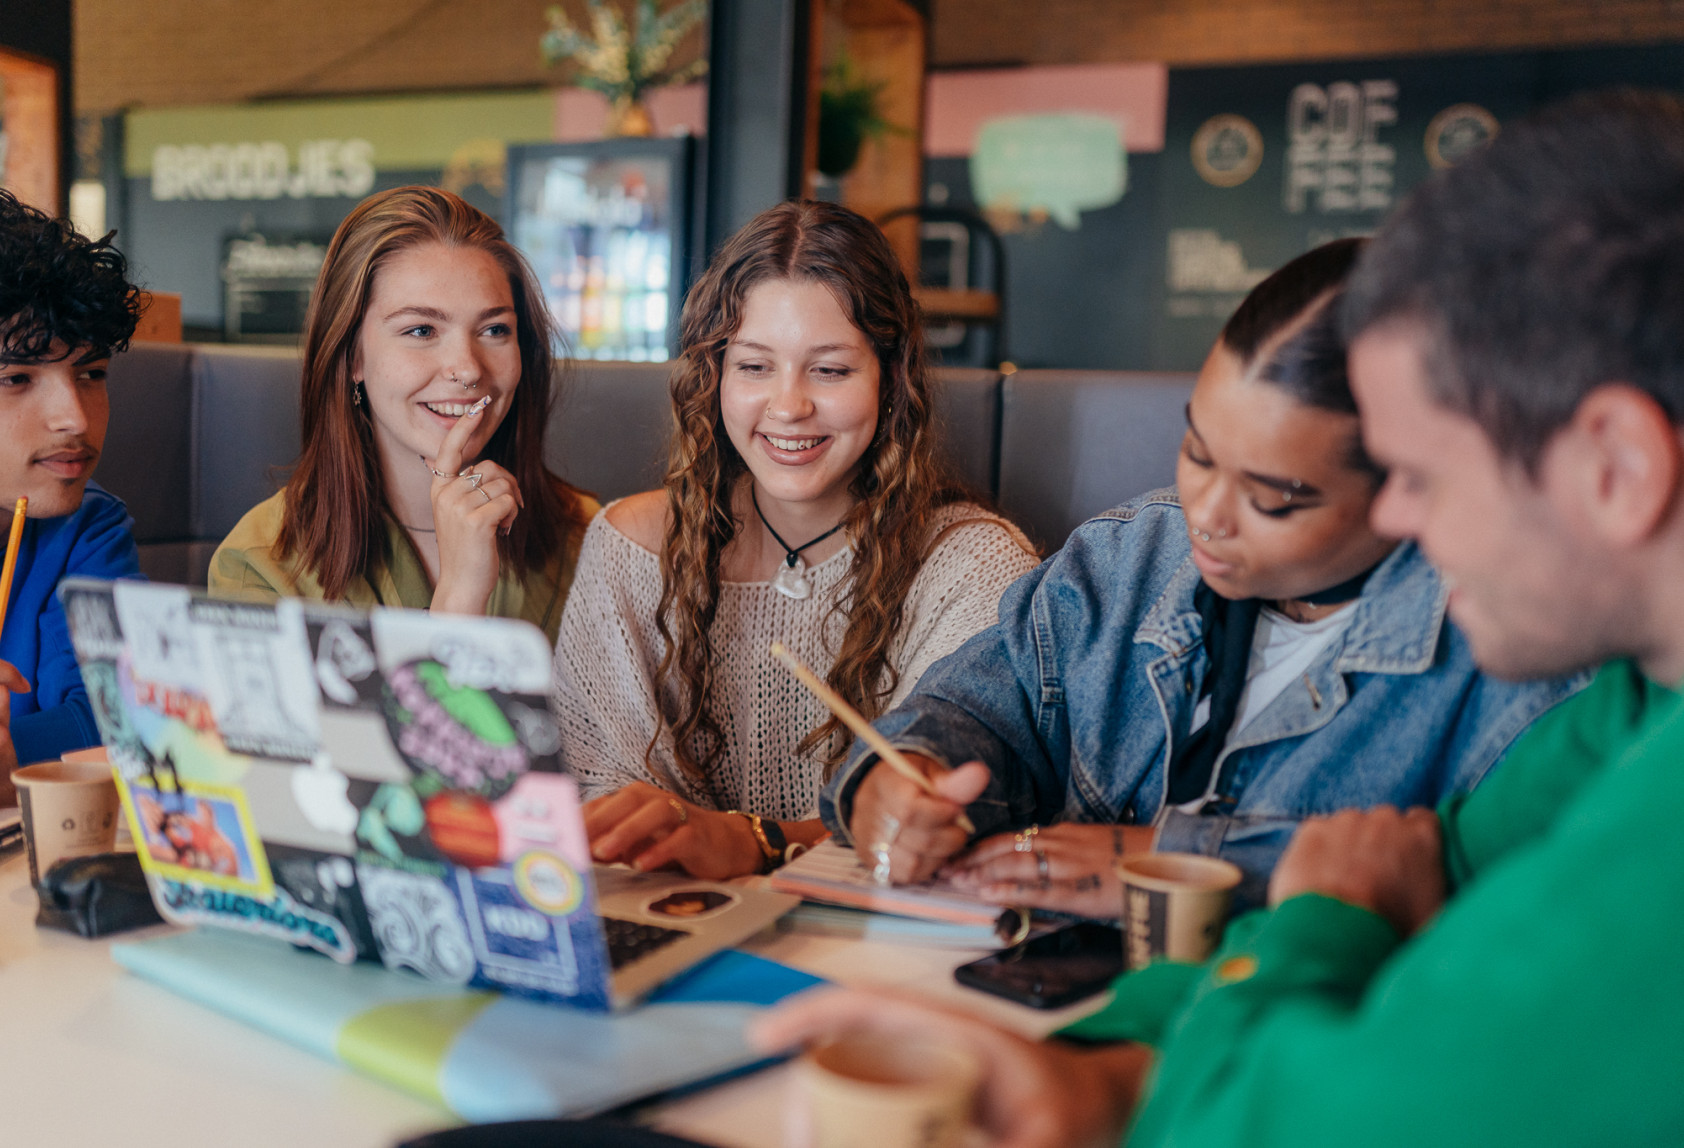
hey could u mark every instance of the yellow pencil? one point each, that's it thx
(851, 718)
(6, 572)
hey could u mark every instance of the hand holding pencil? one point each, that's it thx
(909, 813)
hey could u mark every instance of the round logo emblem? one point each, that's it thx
(1227, 150)
(1456, 131)
(548, 883)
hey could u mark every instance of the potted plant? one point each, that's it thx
(624, 62)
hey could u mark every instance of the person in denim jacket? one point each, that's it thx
(1198, 673)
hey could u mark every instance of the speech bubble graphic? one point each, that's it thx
(1063, 164)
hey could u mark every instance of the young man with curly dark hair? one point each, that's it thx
(66, 305)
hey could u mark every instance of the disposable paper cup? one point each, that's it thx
(870, 1091)
(1174, 905)
(101, 755)
(70, 809)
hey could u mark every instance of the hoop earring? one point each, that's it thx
(356, 392)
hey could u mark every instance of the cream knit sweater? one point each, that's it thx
(608, 650)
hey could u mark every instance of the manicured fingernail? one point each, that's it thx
(480, 406)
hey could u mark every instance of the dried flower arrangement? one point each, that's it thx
(623, 62)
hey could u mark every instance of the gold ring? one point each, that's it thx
(678, 808)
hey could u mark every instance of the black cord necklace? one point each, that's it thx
(791, 578)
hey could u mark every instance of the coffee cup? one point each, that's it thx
(101, 755)
(70, 809)
(872, 1091)
(1174, 905)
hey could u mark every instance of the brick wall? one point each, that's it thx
(164, 52)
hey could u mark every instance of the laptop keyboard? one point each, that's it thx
(629, 940)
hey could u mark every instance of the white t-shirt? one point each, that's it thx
(1281, 650)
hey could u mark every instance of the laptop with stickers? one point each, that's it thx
(378, 785)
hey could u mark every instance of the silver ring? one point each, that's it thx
(487, 497)
(473, 479)
(880, 871)
(1023, 841)
(1043, 870)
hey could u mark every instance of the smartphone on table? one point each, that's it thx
(1052, 970)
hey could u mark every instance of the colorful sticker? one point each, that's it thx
(199, 834)
(543, 812)
(454, 736)
(258, 679)
(393, 827)
(463, 828)
(520, 948)
(324, 883)
(416, 923)
(547, 883)
(191, 903)
(691, 904)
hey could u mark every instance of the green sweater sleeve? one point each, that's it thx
(1541, 1006)
(1551, 762)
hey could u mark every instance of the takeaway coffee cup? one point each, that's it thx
(872, 1091)
(1174, 905)
(102, 755)
(70, 809)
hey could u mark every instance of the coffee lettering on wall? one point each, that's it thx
(324, 169)
(1335, 159)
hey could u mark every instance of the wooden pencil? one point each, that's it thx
(10, 568)
(851, 717)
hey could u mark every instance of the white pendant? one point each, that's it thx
(791, 581)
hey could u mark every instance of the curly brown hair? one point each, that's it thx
(899, 484)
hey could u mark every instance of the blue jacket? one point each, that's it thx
(97, 540)
(1094, 670)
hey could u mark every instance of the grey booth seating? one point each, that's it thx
(1074, 443)
(200, 434)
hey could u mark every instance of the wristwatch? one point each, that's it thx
(775, 848)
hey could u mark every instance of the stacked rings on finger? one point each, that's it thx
(1023, 841)
(880, 870)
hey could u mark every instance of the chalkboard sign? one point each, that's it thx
(1261, 164)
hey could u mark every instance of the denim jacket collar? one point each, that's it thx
(1395, 629)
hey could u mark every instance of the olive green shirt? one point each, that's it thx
(246, 566)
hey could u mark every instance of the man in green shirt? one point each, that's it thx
(1508, 970)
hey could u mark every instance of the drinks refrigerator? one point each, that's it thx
(606, 227)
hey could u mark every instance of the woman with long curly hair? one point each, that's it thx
(804, 503)
(426, 388)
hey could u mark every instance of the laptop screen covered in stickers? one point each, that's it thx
(379, 786)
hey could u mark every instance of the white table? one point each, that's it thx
(92, 1055)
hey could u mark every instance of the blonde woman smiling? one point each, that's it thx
(805, 504)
